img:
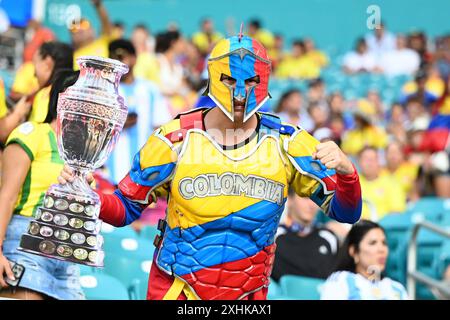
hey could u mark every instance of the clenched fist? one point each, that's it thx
(332, 157)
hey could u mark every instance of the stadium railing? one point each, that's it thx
(439, 289)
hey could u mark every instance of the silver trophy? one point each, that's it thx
(91, 115)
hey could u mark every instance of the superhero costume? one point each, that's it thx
(224, 206)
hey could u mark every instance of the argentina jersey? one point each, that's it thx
(143, 99)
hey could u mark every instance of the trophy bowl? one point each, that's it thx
(91, 115)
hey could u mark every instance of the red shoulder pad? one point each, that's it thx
(190, 120)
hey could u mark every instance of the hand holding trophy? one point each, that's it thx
(91, 115)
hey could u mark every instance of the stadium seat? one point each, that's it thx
(396, 263)
(445, 219)
(103, 287)
(429, 245)
(149, 232)
(87, 270)
(301, 288)
(432, 207)
(443, 258)
(108, 230)
(396, 227)
(274, 292)
(129, 247)
(131, 271)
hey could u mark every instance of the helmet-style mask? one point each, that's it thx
(238, 60)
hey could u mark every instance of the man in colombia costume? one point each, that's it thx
(225, 202)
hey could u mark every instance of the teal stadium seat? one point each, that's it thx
(128, 258)
(443, 258)
(132, 271)
(398, 229)
(429, 245)
(108, 231)
(129, 247)
(103, 287)
(301, 288)
(275, 292)
(149, 232)
(432, 207)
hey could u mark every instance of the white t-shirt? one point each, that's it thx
(355, 61)
(344, 285)
(397, 62)
(171, 77)
(381, 46)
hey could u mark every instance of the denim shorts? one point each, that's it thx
(54, 278)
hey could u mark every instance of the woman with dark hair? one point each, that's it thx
(170, 46)
(31, 164)
(359, 273)
(48, 61)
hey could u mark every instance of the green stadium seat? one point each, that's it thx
(103, 287)
(301, 288)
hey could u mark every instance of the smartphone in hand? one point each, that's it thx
(18, 271)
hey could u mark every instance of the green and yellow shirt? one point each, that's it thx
(38, 140)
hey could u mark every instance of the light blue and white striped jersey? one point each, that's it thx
(145, 99)
(344, 285)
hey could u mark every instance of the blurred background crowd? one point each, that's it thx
(385, 100)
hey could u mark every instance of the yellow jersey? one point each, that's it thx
(318, 57)
(25, 82)
(147, 67)
(39, 143)
(381, 196)
(99, 47)
(303, 67)
(39, 109)
(266, 38)
(3, 107)
(371, 136)
(201, 40)
(405, 175)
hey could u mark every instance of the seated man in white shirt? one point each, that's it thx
(401, 61)
(360, 60)
(380, 41)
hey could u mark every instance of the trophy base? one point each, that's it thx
(66, 228)
(61, 251)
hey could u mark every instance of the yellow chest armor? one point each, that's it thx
(210, 183)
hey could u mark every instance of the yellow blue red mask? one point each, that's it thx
(240, 58)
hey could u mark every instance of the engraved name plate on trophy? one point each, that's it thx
(91, 115)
